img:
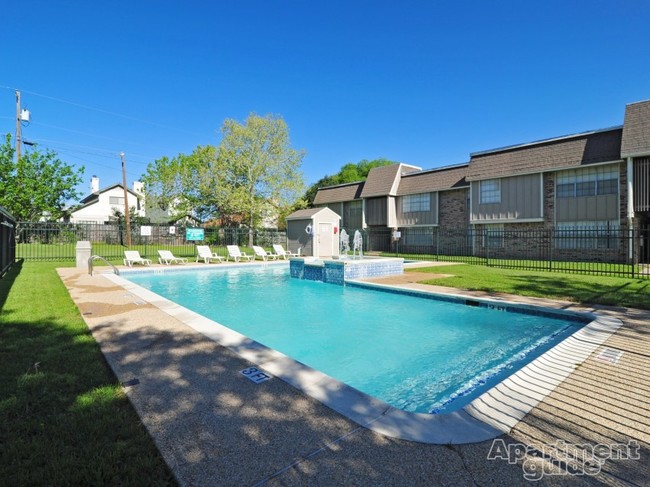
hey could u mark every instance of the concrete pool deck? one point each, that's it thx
(214, 427)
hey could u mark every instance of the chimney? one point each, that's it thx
(94, 184)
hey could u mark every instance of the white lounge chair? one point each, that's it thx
(260, 252)
(133, 257)
(167, 258)
(204, 252)
(279, 250)
(235, 254)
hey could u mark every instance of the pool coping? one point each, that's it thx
(493, 413)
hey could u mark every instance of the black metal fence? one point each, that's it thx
(57, 241)
(596, 251)
(7, 241)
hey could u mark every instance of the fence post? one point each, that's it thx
(550, 237)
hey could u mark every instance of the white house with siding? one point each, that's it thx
(98, 206)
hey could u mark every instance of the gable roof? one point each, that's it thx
(308, 213)
(338, 193)
(636, 130)
(439, 179)
(94, 196)
(547, 155)
(384, 180)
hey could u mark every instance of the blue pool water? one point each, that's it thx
(417, 354)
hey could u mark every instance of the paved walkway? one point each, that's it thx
(214, 427)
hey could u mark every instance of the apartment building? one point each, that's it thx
(587, 189)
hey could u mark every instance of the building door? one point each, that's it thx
(325, 240)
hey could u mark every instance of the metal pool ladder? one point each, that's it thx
(95, 257)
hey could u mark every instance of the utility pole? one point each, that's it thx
(18, 126)
(127, 218)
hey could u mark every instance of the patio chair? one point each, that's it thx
(260, 252)
(204, 252)
(167, 258)
(279, 250)
(133, 257)
(235, 254)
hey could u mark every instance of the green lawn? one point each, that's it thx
(64, 419)
(579, 288)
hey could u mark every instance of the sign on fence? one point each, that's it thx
(194, 234)
(145, 231)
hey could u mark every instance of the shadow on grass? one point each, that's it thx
(63, 418)
(8, 280)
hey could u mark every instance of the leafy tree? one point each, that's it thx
(349, 173)
(261, 167)
(253, 170)
(187, 184)
(36, 186)
(117, 216)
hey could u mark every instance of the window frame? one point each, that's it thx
(416, 203)
(487, 195)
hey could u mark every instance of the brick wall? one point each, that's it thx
(453, 210)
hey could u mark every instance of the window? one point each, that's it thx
(587, 235)
(416, 202)
(116, 200)
(490, 190)
(493, 236)
(590, 181)
(607, 186)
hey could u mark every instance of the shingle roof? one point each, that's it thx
(382, 180)
(341, 192)
(439, 179)
(547, 155)
(308, 213)
(93, 196)
(636, 130)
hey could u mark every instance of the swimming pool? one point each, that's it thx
(419, 355)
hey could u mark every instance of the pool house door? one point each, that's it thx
(325, 238)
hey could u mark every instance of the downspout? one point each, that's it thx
(630, 208)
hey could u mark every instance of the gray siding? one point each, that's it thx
(335, 207)
(376, 211)
(298, 238)
(411, 218)
(521, 199)
(352, 216)
(587, 208)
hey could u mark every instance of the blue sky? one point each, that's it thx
(425, 83)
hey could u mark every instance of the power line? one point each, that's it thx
(101, 110)
(97, 150)
(90, 163)
(87, 134)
